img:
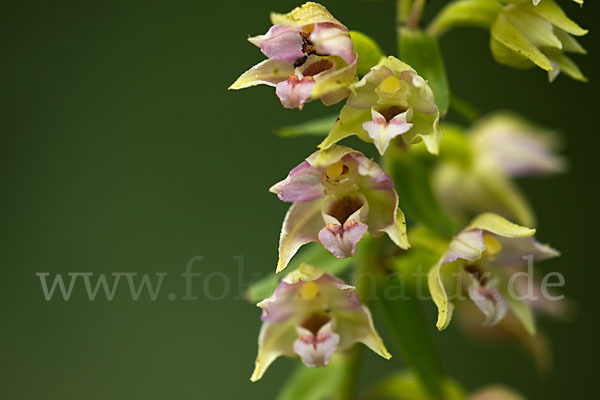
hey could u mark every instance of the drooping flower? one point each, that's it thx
(338, 195)
(312, 314)
(310, 56)
(474, 174)
(479, 256)
(391, 100)
(525, 35)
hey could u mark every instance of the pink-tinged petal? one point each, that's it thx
(302, 184)
(301, 225)
(517, 147)
(330, 39)
(467, 245)
(345, 225)
(372, 176)
(291, 298)
(382, 131)
(294, 92)
(332, 293)
(281, 305)
(489, 300)
(516, 251)
(280, 43)
(315, 350)
(341, 240)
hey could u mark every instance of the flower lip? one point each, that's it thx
(315, 322)
(317, 67)
(391, 111)
(344, 208)
(477, 273)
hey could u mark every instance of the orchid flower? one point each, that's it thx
(498, 148)
(525, 35)
(391, 100)
(313, 314)
(338, 195)
(478, 255)
(310, 56)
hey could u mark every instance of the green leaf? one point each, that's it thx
(411, 172)
(422, 52)
(313, 254)
(313, 383)
(369, 52)
(406, 386)
(316, 127)
(410, 331)
(465, 13)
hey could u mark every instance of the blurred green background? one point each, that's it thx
(122, 151)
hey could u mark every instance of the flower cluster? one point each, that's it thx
(340, 197)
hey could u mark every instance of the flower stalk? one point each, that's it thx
(416, 12)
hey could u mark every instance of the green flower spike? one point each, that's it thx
(313, 314)
(525, 35)
(479, 257)
(391, 100)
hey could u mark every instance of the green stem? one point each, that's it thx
(402, 13)
(416, 345)
(347, 389)
(416, 13)
(369, 251)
